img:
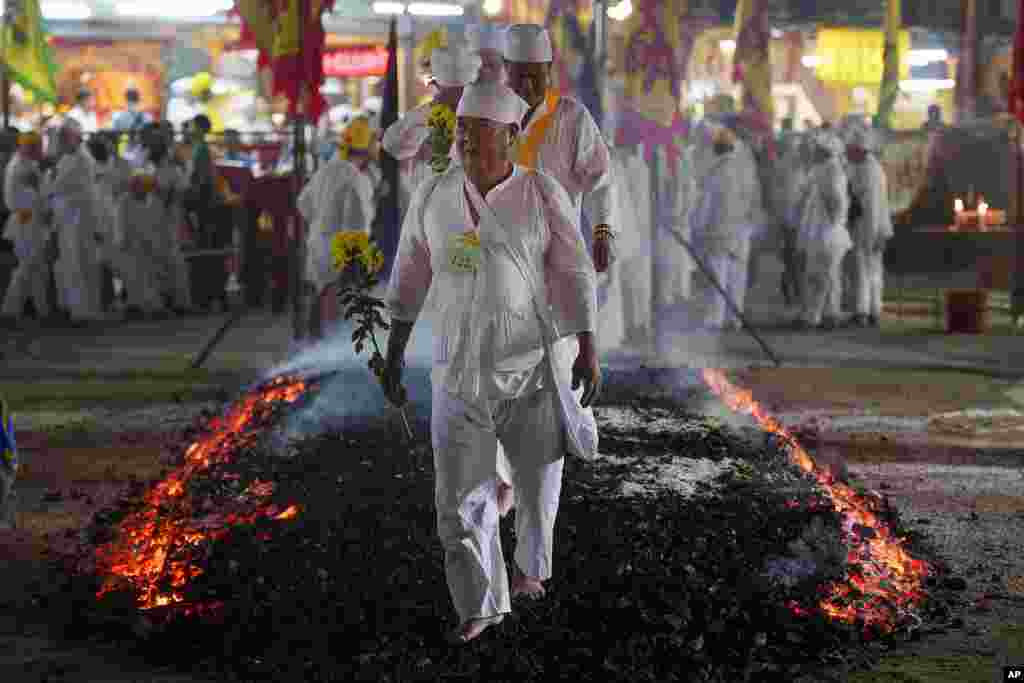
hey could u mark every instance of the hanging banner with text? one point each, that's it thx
(356, 61)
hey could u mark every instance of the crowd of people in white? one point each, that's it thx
(84, 210)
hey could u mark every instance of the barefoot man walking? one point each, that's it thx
(516, 301)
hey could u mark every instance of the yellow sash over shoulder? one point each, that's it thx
(529, 145)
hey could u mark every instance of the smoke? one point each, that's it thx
(349, 394)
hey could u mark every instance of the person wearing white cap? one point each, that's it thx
(408, 139)
(560, 137)
(338, 197)
(721, 219)
(871, 227)
(822, 236)
(28, 229)
(488, 42)
(517, 299)
(72, 194)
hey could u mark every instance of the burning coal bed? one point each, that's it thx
(696, 548)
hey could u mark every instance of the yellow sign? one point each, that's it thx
(852, 56)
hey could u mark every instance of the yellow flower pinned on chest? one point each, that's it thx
(441, 123)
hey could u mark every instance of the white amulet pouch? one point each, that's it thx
(463, 251)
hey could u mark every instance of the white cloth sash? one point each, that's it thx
(580, 424)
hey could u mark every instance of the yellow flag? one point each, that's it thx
(259, 17)
(26, 52)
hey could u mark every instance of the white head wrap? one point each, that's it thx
(528, 43)
(454, 66)
(493, 101)
(485, 37)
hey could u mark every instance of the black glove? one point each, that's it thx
(390, 375)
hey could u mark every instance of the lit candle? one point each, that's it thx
(958, 206)
(982, 214)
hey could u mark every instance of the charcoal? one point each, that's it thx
(721, 585)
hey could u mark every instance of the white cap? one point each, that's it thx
(528, 43)
(485, 37)
(493, 101)
(454, 66)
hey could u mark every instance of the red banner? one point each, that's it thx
(356, 61)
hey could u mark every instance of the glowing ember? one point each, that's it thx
(147, 555)
(889, 579)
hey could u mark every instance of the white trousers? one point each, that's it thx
(869, 275)
(730, 269)
(135, 269)
(823, 286)
(30, 279)
(465, 438)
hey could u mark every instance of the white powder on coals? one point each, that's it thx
(648, 475)
(681, 475)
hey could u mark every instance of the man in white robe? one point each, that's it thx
(561, 138)
(28, 228)
(502, 244)
(137, 243)
(165, 219)
(872, 229)
(488, 42)
(408, 139)
(339, 197)
(721, 220)
(77, 214)
(823, 237)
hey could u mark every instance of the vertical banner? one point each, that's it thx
(654, 75)
(25, 50)
(967, 66)
(752, 68)
(890, 87)
(387, 222)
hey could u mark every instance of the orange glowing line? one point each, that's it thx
(141, 551)
(883, 556)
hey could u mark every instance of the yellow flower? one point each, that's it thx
(348, 246)
(442, 117)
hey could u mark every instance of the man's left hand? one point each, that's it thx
(587, 371)
(602, 249)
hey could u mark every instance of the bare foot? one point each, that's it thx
(506, 498)
(528, 587)
(471, 629)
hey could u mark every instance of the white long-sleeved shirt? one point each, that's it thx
(727, 204)
(338, 197)
(824, 209)
(539, 209)
(575, 154)
(22, 193)
(868, 181)
(407, 140)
